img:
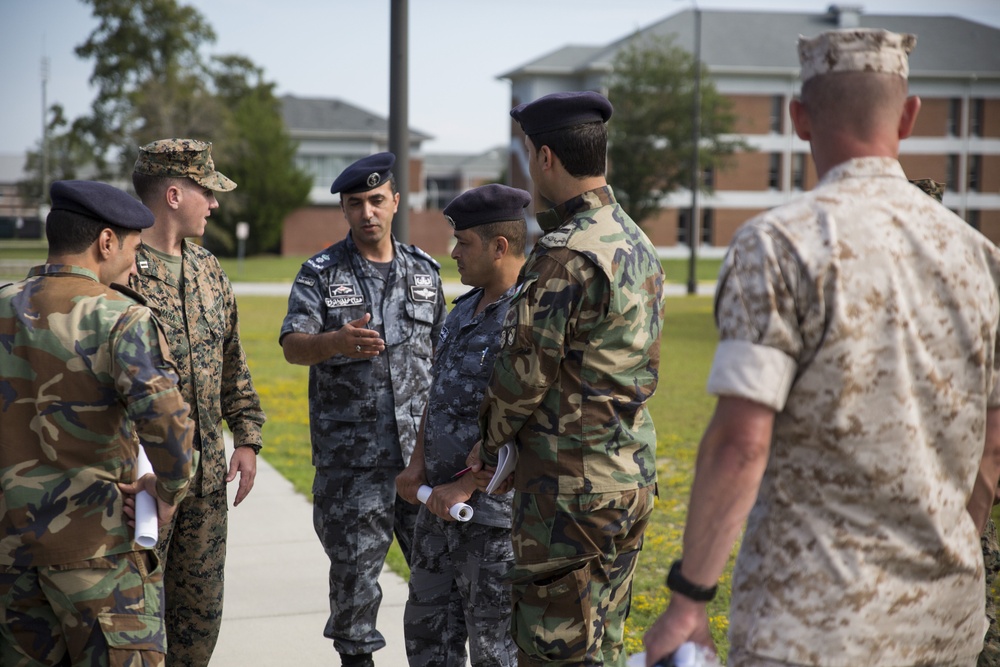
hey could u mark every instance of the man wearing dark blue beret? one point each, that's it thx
(457, 591)
(579, 361)
(84, 371)
(364, 315)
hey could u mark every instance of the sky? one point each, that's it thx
(340, 48)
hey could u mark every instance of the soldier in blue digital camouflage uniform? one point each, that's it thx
(457, 590)
(578, 363)
(364, 315)
(84, 369)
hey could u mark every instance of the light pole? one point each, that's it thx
(694, 228)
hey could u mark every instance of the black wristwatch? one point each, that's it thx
(255, 448)
(679, 584)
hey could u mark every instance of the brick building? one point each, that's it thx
(751, 58)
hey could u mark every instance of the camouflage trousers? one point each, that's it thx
(458, 592)
(355, 514)
(193, 549)
(990, 657)
(102, 612)
(571, 586)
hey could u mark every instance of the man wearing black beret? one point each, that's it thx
(84, 371)
(457, 591)
(364, 315)
(578, 362)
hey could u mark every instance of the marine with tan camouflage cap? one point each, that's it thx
(182, 158)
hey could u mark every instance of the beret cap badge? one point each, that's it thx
(373, 179)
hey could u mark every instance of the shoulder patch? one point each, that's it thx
(129, 292)
(558, 238)
(417, 252)
(325, 258)
(305, 280)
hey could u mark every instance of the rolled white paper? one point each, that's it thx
(458, 511)
(146, 522)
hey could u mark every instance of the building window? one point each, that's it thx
(682, 227)
(976, 117)
(707, 226)
(975, 173)
(972, 217)
(799, 171)
(777, 113)
(774, 172)
(951, 174)
(954, 115)
(708, 177)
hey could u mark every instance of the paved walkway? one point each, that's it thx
(276, 585)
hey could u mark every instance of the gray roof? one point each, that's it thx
(331, 117)
(493, 159)
(742, 41)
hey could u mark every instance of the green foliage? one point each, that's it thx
(650, 141)
(152, 83)
(258, 155)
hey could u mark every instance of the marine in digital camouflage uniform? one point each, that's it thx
(990, 656)
(578, 362)
(457, 590)
(193, 299)
(857, 382)
(84, 369)
(364, 315)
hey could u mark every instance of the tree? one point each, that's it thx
(650, 146)
(258, 154)
(149, 78)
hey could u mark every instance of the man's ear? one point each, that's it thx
(546, 157)
(104, 242)
(173, 195)
(500, 247)
(800, 119)
(911, 107)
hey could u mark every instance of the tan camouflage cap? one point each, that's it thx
(856, 50)
(182, 158)
(930, 186)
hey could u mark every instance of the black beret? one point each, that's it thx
(486, 204)
(560, 110)
(101, 202)
(366, 174)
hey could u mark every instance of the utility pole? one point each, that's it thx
(43, 200)
(399, 125)
(694, 228)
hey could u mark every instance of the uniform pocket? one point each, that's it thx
(127, 633)
(553, 617)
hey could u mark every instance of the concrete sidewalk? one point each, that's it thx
(276, 585)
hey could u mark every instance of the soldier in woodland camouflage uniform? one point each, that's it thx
(84, 369)
(857, 382)
(990, 657)
(363, 315)
(457, 591)
(193, 299)
(579, 359)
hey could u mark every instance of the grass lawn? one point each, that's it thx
(680, 409)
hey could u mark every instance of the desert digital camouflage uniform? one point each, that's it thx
(871, 330)
(200, 321)
(990, 657)
(579, 359)
(83, 370)
(457, 590)
(363, 418)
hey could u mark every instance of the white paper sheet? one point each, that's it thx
(506, 461)
(458, 511)
(146, 522)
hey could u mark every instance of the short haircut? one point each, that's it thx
(857, 102)
(150, 187)
(515, 231)
(582, 149)
(70, 233)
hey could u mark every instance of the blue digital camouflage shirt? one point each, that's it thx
(462, 368)
(364, 413)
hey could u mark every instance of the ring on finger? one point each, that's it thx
(357, 348)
